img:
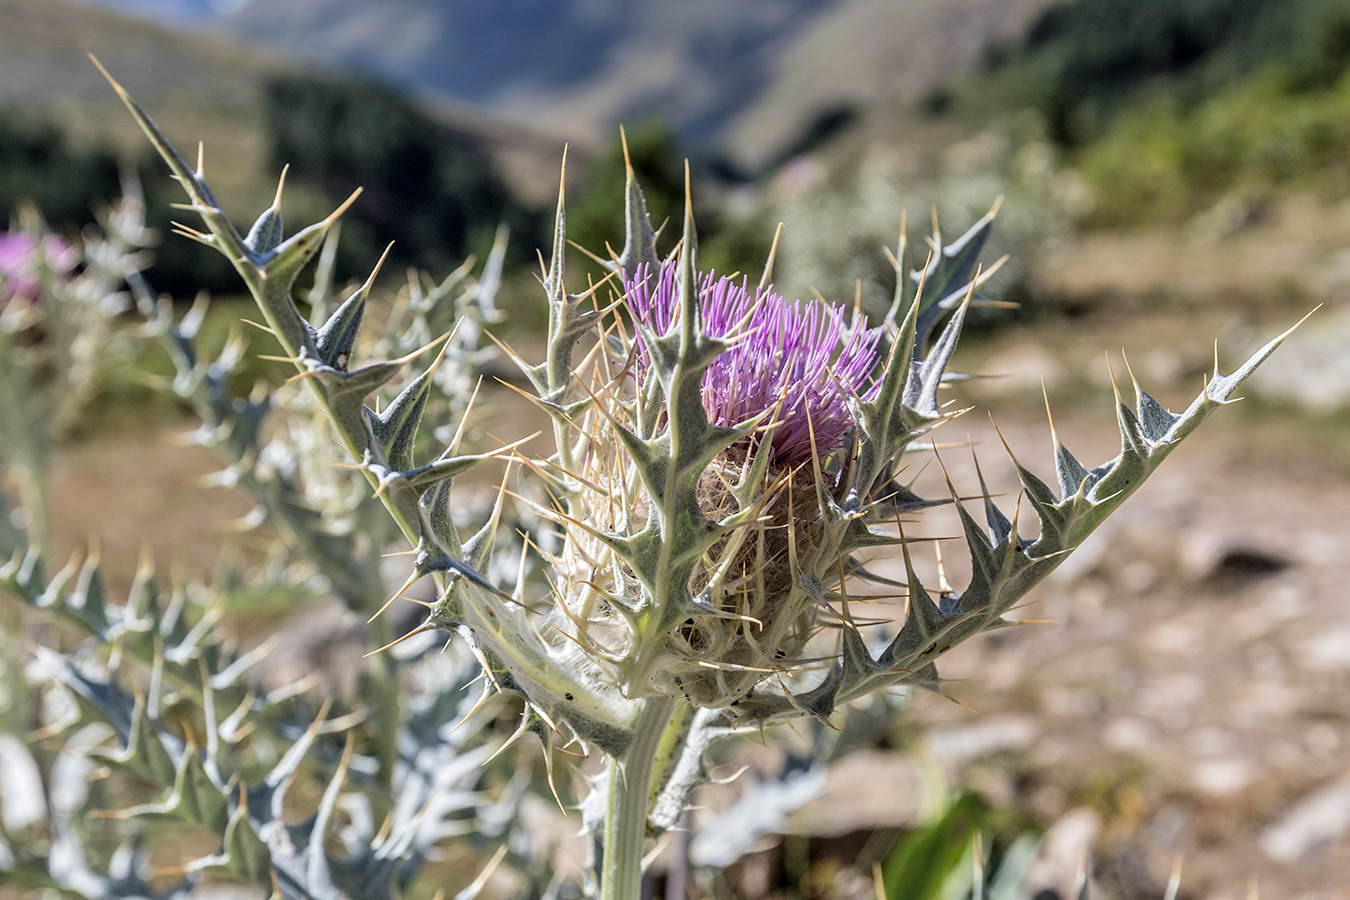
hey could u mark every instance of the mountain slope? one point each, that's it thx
(869, 56)
(746, 79)
(207, 87)
(1083, 61)
(197, 87)
(580, 66)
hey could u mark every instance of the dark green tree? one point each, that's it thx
(40, 167)
(428, 187)
(724, 245)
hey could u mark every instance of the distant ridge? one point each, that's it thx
(747, 80)
(583, 66)
(200, 85)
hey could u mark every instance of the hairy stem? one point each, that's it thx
(629, 798)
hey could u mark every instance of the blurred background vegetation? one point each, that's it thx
(1088, 114)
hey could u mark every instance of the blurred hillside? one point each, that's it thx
(1194, 118)
(1080, 63)
(1168, 107)
(66, 144)
(750, 85)
(64, 147)
(750, 80)
(197, 85)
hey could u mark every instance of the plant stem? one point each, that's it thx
(31, 483)
(629, 798)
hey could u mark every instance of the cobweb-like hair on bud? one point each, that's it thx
(802, 354)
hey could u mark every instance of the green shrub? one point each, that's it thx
(1168, 162)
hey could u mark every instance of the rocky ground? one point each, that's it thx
(1190, 699)
(1190, 696)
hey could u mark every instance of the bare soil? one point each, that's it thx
(1191, 699)
(1189, 692)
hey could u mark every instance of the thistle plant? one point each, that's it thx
(723, 461)
(63, 334)
(176, 716)
(148, 697)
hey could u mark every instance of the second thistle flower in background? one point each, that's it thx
(26, 260)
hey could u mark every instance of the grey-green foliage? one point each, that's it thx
(385, 443)
(180, 729)
(643, 566)
(58, 354)
(277, 444)
(176, 714)
(71, 344)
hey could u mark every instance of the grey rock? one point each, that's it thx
(1318, 820)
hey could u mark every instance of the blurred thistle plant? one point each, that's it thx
(722, 460)
(64, 337)
(27, 260)
(157, 704)
(149, 698)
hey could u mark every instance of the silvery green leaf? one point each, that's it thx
(24, 803)
(758, 815)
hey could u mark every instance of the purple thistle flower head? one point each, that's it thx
(801, 354)
(22, 257)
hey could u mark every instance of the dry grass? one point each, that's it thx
(126, 492)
